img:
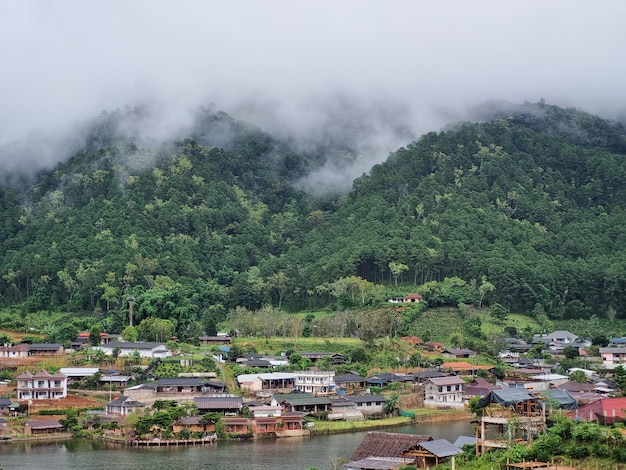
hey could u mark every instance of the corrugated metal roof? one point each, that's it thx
(440, 448)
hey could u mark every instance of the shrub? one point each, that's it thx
(578, 452)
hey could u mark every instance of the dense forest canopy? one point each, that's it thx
(529, 201)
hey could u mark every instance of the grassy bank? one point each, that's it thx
(421, 415)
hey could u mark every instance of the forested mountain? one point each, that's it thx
(529, 201)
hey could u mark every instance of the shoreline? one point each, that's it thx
(322, 428)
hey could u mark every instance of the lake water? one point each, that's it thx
(261, 454)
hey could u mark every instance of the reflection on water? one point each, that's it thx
(288, 453)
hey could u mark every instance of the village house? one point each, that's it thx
(411, 298)
(45, 349)
(41, 386)
(236, 426)
(317, 382)
(260, 360)
(214, 340)
(175, 388)
(76, 374)
(15, 351)
(479, 387)
(265, 411)
(430, 454)
(301, 402)
(43, 426)
(230, 405)
(382, 379)
(540, 382)
(606, 411)
(335, 358)
(613, 356)
(464, 368)
(368, 404)
(350, 381)
(386, 450)
(274, 382)
(194, 424)
(444, 391)
(344, 409)
(560, 337)
(125, 348)
(458, 353)
(114, 380)
(123, 406)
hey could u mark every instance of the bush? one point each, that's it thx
(578, 452)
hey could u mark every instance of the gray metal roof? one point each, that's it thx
(440, 448)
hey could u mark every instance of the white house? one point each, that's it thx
(41, 386)
(123, 406)
(444, 391)
(317, 382)
(125, 348)
(271, 382)
(557, 337)
(74, 374)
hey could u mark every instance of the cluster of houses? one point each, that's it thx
(276, 402)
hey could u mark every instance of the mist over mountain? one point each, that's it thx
(529, 198)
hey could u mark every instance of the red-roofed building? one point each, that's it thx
(604, 411)
(464, 368)
(411, 298)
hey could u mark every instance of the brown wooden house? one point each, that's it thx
(43, 426)
(236, 426)
(386, 450)
(194, 424)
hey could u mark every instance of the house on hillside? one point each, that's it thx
(150, 349)
(458, 353)
(386, 450)
(613, 356)
(350, 381)
(479, 387)
(76, 374)
(444, 391)
(464, 368)
(272, 382)
(15, 351)
(317, 382)
(123, 406)
(560, 337)
(336, 358)
(214, 340)
(231, 406)
(411, 298)
(45, 349)
(41, 386)
(382, 379)
(607, 411)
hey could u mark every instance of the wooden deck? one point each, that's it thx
(171, 442)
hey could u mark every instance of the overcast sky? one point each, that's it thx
(65, 60)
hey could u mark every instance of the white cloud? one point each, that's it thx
(67, 60)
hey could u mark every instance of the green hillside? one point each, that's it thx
(525, 208)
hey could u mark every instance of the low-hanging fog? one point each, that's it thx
(375, 73)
